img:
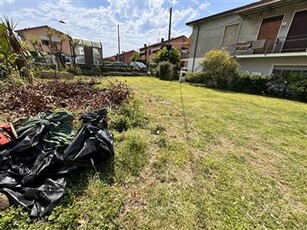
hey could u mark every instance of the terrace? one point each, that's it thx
(290, 44)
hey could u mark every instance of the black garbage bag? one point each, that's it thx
(34, 166)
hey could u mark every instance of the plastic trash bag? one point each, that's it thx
(33, 167)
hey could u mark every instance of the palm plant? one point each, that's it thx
(5, 50)
(13, 46)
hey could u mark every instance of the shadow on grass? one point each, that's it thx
(78, 181)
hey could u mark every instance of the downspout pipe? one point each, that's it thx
(195, 48)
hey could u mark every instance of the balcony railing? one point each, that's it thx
(267, 46)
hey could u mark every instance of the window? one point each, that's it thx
(230, 35)
(296, 40)
(268, 32)
(283, 70)
(45, 42)
(80, 50)
(298, 26)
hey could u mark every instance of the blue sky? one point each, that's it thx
(140, 21)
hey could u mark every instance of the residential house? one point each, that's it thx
(124, 57)
(268, 36)
(182, 43)
(31, 34)
(87, 52)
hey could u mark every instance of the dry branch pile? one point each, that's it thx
(18, 101)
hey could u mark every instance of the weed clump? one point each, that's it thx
(132, 154)
(128, 116)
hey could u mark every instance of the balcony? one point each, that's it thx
(268, 46)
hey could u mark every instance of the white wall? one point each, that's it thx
(264, 65)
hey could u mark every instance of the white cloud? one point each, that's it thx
(2, 2)
(140, 21)
(174, 2)
(204, 5)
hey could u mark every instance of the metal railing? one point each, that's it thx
(294, 44)
(266, 46)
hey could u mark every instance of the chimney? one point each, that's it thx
(145, 45)
(162, 39)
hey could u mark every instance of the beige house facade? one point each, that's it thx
(266, 37)
(86, 51)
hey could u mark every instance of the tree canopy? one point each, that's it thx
(172, 55)
(136, 57)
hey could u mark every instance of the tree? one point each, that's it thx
(53, 46)
(36, 43)
(64, 38)
(136, 57)
(74, 43)
(220, 66)
(219, 63)
(172, 55)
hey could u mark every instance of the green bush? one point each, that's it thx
(297, 85)
(205, 79)
(165, 55)
(290, 85)
(75, 70)
(193, 77)
(219, 68)
(165, 70)
(154, 69)
(248, 83)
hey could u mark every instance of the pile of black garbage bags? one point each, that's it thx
(33, 166)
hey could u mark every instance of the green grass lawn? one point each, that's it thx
(207, 159)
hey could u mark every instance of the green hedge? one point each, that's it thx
(248, 83)
(291, 86)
